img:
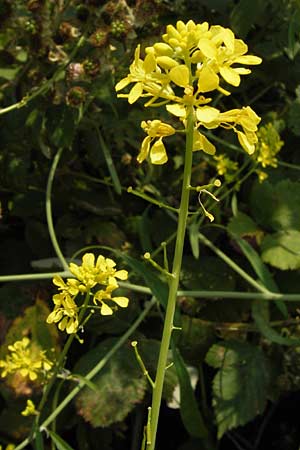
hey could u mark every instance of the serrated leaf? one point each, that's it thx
(275, 205)
(59, 442)
(240, 387)
(195, 339)
(115, 396)
(189, 410)
(282, 250)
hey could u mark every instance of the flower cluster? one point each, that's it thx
(90, 274)
(225, 166)
(269, 144)
(193, 60)
(27, 359)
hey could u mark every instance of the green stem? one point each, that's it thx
(49, 210)
(174, 281)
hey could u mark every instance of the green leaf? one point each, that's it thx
(240, 387)
(260, 314)
(189, 410)
(115, 396)
(195, 339)
(245, 14)
(59, 441)
(293, 118)
(282, 250)
(208, 274)
(242, 225)
(60, 123)
(275, 205)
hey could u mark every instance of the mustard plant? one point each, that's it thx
(183, 73)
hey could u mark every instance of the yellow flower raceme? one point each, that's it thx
(193, 60)
(27, 359)
(225, 166)
(269, 144)
(92, 273)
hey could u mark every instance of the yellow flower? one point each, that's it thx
(92, 272)
(27, 359)
(65, 312)
(148, 78)
(30, 409)
(155, 129)
(102, 296)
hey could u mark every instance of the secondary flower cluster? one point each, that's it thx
(27, 359)
(90, 274)
(193, 60)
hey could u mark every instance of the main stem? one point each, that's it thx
(174, 282)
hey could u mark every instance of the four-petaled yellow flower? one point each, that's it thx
(155, 129)
(27, 359)
(101, 274)
(30, 409)
(193, 60)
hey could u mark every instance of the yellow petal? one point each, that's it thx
(105, 310)
(121, 301)
(177, 110)
(207, 114)
(242, 70)
(248, 59)
(135, 93)
(180, 75)
(208, 80)
(202, 143)
(245, 143)
(207, 48)
(158, 154)
(166, 62)
(145, 147)
(88, 260)
(230, 75)
(122, 83)
(121, 274)
(149, 63)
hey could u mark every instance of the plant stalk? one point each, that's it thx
(174, 281)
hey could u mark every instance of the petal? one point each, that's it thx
(121, 274)
(208, 80)
(248, 59)
(245, 143)
(158, 154)
(121, 301)
(207, 114)
(122, 83)
(202, 143)
(242, 70)
(145, 147)
(135, 93)
(230, 75)
(149, 63)
(180, 75)
(177, 110)
(106, 310)
(88, 260)
(208, 48)
(58, 281)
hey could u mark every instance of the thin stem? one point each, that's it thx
(49, 210)
(174, 281)
(233, 265)
(33, 276)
